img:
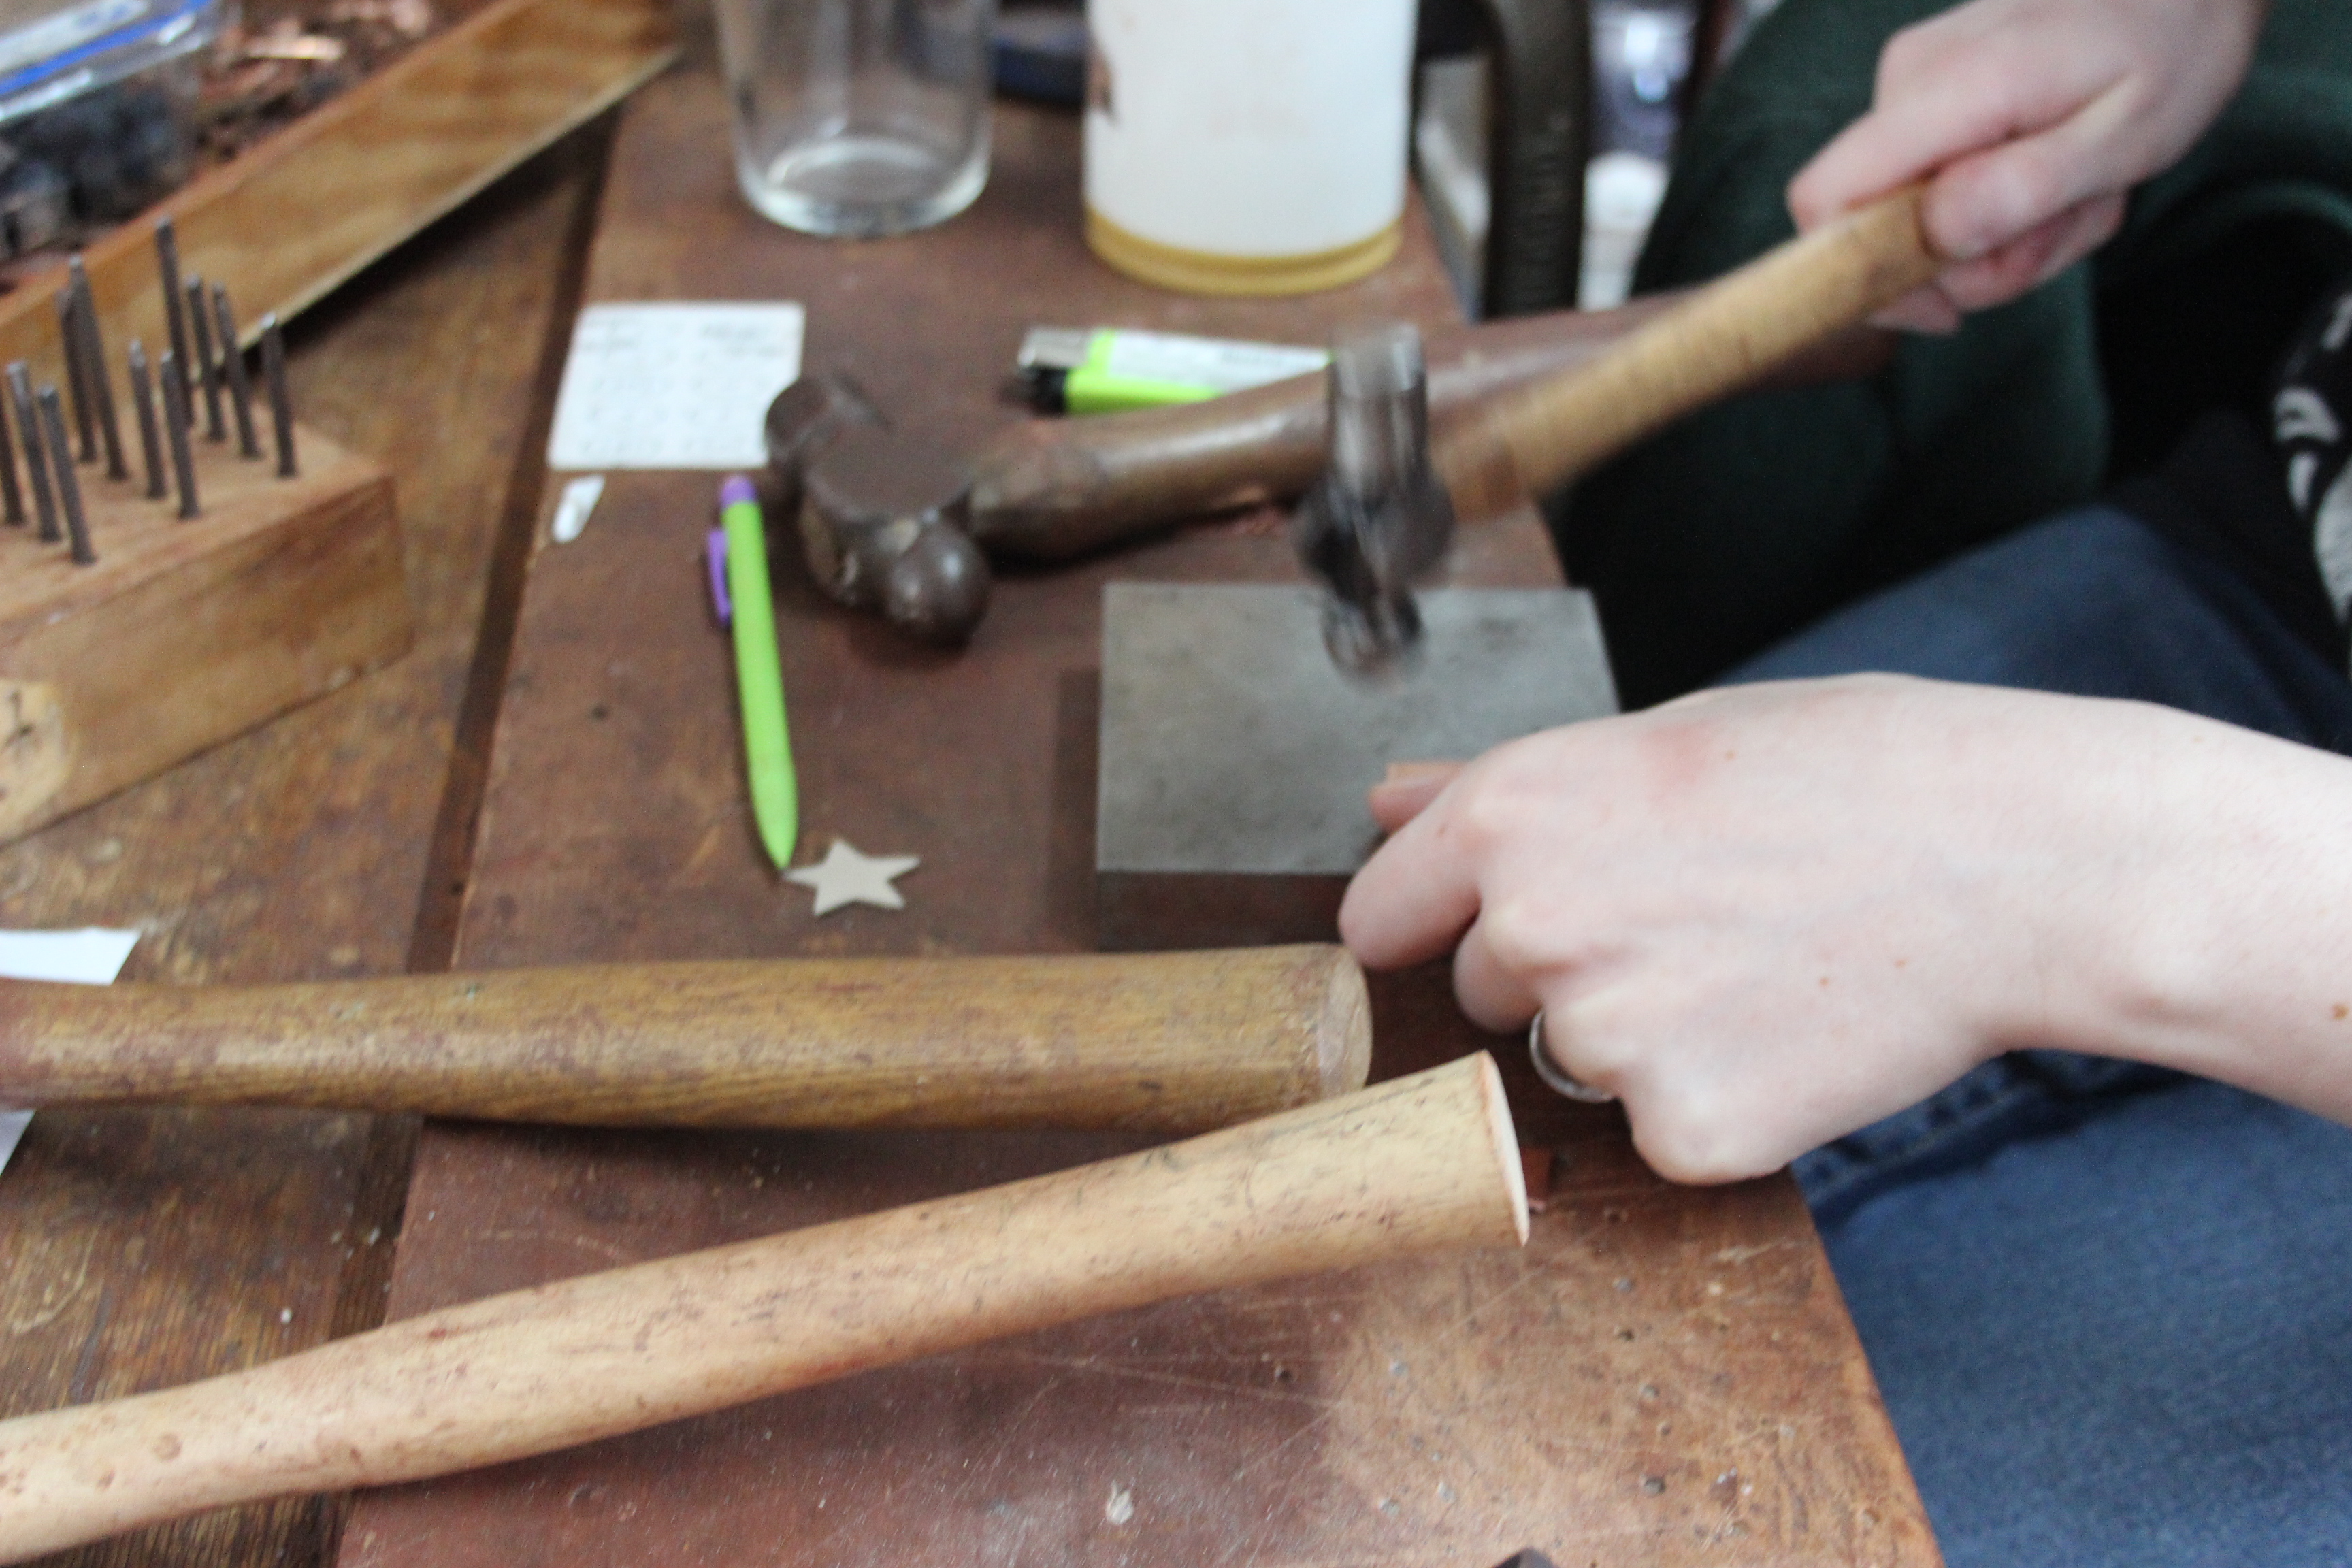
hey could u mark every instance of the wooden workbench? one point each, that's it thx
(140, 1249)
(1665, 1375)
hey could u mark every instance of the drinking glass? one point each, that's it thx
(858, 118)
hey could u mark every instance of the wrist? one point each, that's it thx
(2207, 927)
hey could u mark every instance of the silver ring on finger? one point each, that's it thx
(1557, 1078)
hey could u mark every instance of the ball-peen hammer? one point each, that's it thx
(1389, 500)
(889, 524)
(1173, 1042)
(1413, 1165)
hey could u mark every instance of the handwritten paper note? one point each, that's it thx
(92, 956)
(674, 385)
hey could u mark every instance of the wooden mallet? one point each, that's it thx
(1176, 1042)
(1413, 1165)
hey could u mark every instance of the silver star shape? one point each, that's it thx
(847, 877)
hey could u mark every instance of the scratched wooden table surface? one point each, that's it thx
(1663, 1376)
(142, 1249)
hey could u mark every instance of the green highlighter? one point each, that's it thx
(758, 673)
(1073, 370)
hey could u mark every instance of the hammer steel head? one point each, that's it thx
(881, 515)
(803, 420)
(881, 525)
(1379, 518)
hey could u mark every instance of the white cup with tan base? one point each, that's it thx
(1247, 146)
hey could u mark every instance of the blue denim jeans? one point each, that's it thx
(2110, 1307)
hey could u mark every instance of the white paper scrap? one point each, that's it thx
(92, 956)
(572, 508)
(673, 384)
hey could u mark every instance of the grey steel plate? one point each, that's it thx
(1230, 743)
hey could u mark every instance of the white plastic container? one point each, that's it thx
(1247, 146)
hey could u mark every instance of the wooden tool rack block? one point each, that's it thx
(186, 632)
(1664, 1376)
(141, 1249)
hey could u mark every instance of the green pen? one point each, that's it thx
(1070, 370)
(758, 673)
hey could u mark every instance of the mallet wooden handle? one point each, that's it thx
(1723, 338)
(1412, 1165)
(1168, 1042)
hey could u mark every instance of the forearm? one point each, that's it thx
(1767, 915)
(2229, 952)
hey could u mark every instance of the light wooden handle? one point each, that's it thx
(1418, 1163)
(1049, 489)
(1174, 1042)
(1726, 336)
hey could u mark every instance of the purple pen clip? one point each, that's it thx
(714, 552)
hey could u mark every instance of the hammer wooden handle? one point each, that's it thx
(1722, 339)
(1420, 1163)
(1052, 488)
(1165, 1042)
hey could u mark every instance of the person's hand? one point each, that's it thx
(2034, 118)
(1767, 915)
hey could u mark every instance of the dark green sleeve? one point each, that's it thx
(1742, 523)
